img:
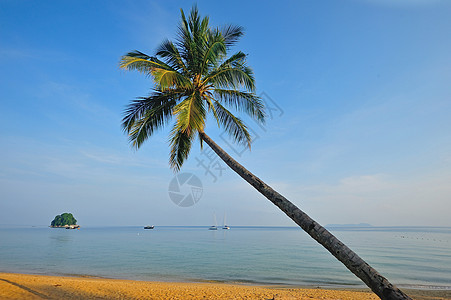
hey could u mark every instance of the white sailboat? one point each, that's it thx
(225, 226)
(214, 227)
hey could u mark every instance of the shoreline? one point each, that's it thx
(325, 286)
(28, 286)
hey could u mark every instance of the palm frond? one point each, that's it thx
(184, 38)
(233, 125)
(194, 19)
(232, 34)
(180, 142)
(234, 60)
(211, 107)
(232, 77)
(164, 75)
(190, 113)
(141, 62)
(170, 79)
(215, 50)
(243, 101)
(232, 73)
(147, 114)
(193, 39)
(168, 51)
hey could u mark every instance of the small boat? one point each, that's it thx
(149, 227)
(214, 227)
(225, 226)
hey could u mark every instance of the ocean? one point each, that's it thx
(410, 257)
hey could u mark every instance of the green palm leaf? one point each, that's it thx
(141, 62)
(243, 101)
(233, 125)
(190, 113)
(145, 115)
(231, 34)
(232, 77)
(215, 50)
(170, 53)
(181, 142)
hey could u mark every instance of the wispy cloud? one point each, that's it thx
(62, 95)
(404, 3)
(111, 157)
(380, 199)
(357, 187)
(148, 23)
(9, 53)
(12, 53)
(68, 161)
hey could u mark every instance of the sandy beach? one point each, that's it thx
(23, 286)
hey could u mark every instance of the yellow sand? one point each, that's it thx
(22, 286)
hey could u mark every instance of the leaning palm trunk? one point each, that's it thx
(376, 282)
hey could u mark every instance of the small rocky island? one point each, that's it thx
(65, 220)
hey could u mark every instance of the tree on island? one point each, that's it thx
(194, 77)
(63, 219)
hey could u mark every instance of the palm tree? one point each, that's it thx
(193, 77)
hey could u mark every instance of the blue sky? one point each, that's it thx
(360, 131)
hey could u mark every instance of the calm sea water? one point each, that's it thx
(408, 256)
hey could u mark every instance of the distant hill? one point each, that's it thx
(350, 225)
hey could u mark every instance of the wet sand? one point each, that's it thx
(23, 286)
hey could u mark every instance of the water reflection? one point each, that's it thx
(61, 238)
